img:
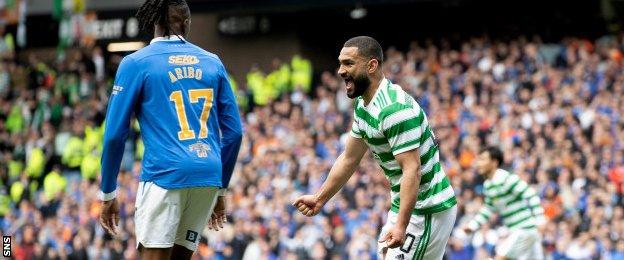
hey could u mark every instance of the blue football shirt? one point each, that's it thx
(187, 113)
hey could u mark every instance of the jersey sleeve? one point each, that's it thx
(355, 129)
(126, 89)
(356, 132)
(403, 126)
(483, 216)
(519, 187)
(230, 126)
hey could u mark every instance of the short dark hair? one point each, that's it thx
(154, 12)
(367, 47)
(495, 154)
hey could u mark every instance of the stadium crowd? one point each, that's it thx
(555, 109)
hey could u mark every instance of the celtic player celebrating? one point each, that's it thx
(392, 124)
(515, 202)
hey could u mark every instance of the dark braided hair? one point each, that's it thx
(156, 12)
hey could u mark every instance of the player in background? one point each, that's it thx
(191, 129)
(390, 122)
(515, 202)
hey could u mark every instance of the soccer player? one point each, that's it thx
(191, 128)
(392, 124)
(515, 202)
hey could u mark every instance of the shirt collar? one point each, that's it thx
(382, 84)
(498, 172)
(168, 38)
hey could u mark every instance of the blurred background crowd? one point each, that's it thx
(553, 103)
(555, 109)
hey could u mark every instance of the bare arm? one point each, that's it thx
(342, 169)
(339, 174)
(410, 183)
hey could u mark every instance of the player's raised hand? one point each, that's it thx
(218, 215)
(308, 205)
(394, 238)
(109, 216)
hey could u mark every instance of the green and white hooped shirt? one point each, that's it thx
(393, 123)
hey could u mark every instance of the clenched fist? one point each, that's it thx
(394, 238)
(308, 205)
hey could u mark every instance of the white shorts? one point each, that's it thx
(426, 236)
(166, 217)
(521, 244)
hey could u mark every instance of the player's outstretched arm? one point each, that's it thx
(339, 174)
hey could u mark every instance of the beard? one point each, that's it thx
(357, 86)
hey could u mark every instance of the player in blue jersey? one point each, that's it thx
(191, 129)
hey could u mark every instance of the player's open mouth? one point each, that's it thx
(349, 83)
